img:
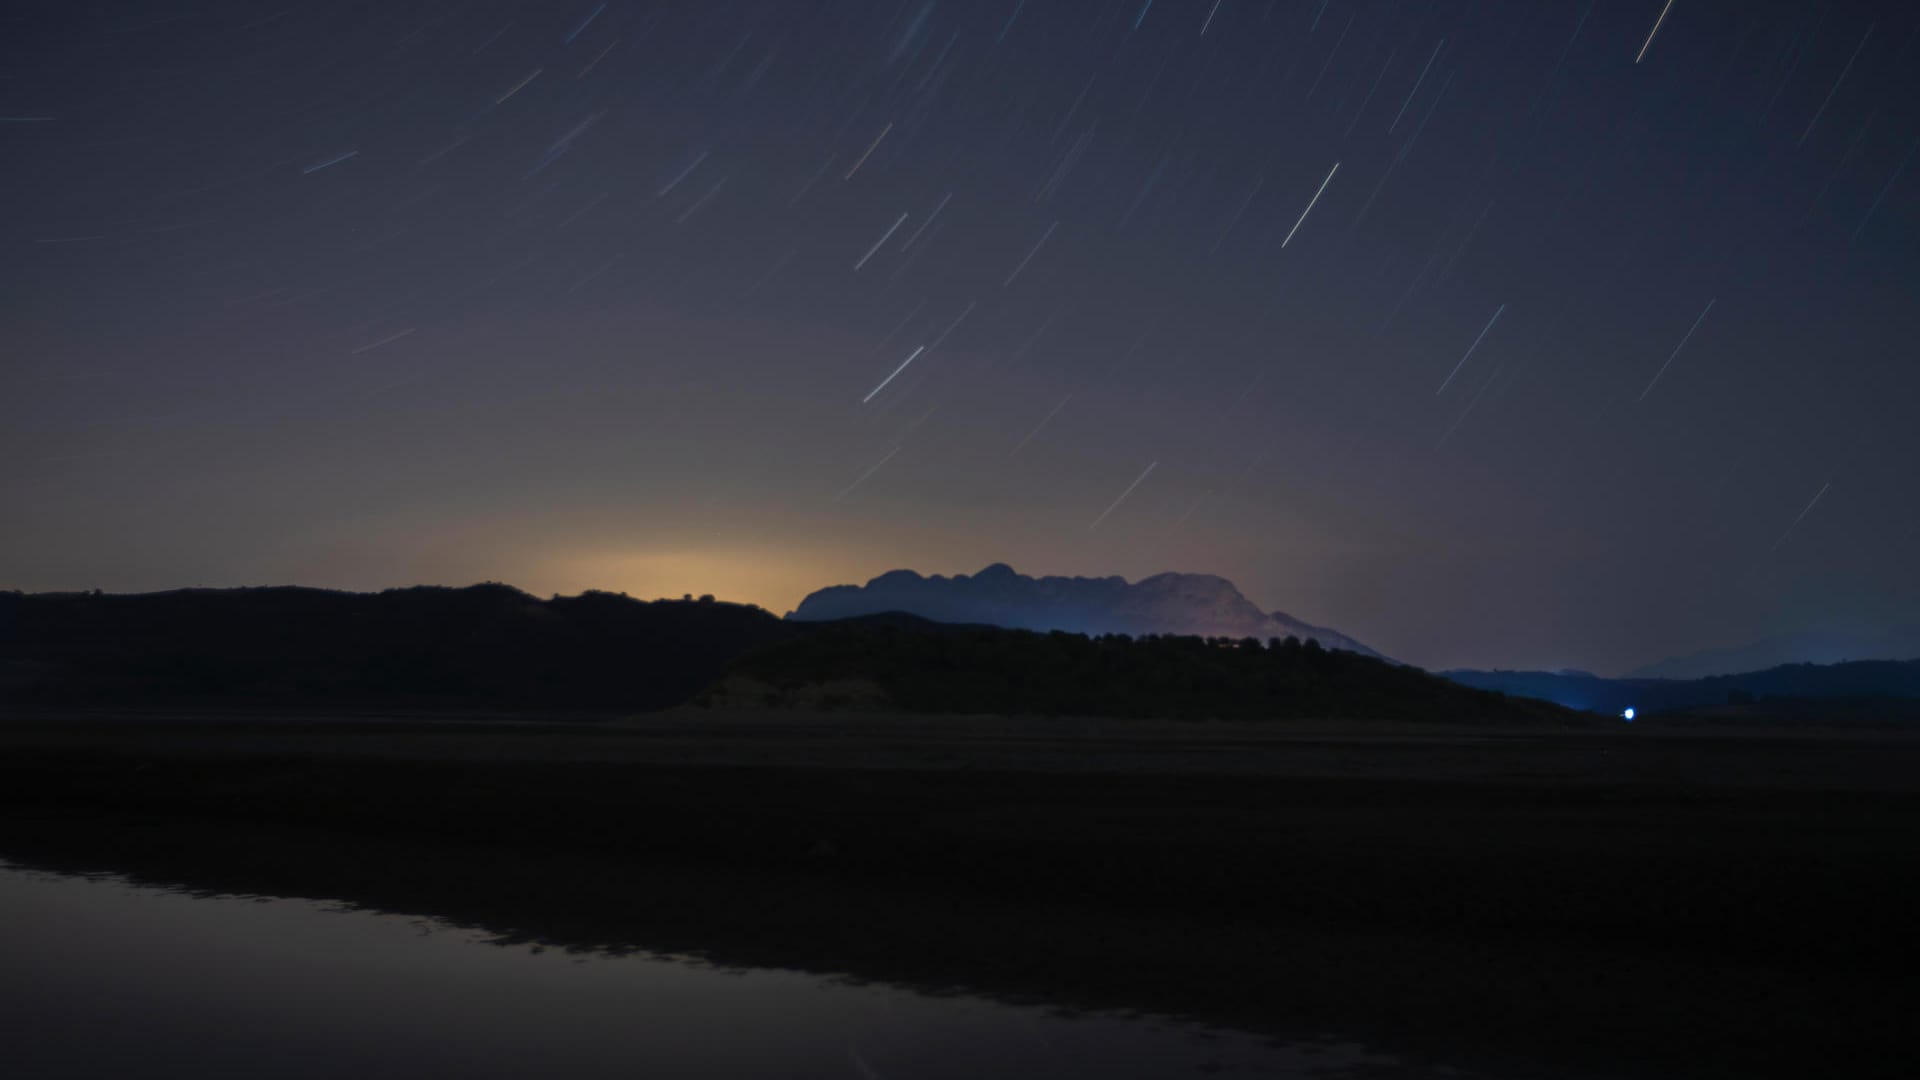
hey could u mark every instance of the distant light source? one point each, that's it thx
(1628, 715)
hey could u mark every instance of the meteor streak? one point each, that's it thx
(1310, 202)
(848, 490)
(903, 366)
(1802, 517)
(1469, 352)
(1030, 255)
(869, 153)
(1656, 29)
(897, 222)
(1122, 498)
(1677, 348)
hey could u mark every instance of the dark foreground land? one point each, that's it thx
(1639, 904)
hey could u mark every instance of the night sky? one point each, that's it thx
(1503, 333)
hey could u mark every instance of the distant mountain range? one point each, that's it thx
(1210, 606)
(1580, 690)
(491, 647)
(495, 646)
(1809, 647)
(1198, 604)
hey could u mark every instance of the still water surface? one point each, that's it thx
(103, 978)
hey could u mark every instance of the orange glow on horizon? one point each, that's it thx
(776, 580)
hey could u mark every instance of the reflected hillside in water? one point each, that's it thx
(1567, 904)
(229, 986)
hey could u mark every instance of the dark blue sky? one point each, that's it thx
(1491, 333)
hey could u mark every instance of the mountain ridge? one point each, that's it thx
(1205, 605)
(1896, 679)
(1827, 646)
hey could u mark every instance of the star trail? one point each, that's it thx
(750, 298)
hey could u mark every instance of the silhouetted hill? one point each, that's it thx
(1799, 712)
(1810, 647)
(489, 645)
(1199, 604)
(1864, 679)
(888, 663)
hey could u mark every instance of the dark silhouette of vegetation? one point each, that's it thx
(493, 646)
(486, 645)
(916, 666)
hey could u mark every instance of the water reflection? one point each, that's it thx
(107, 978)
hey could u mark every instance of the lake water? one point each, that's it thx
(103, 978)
